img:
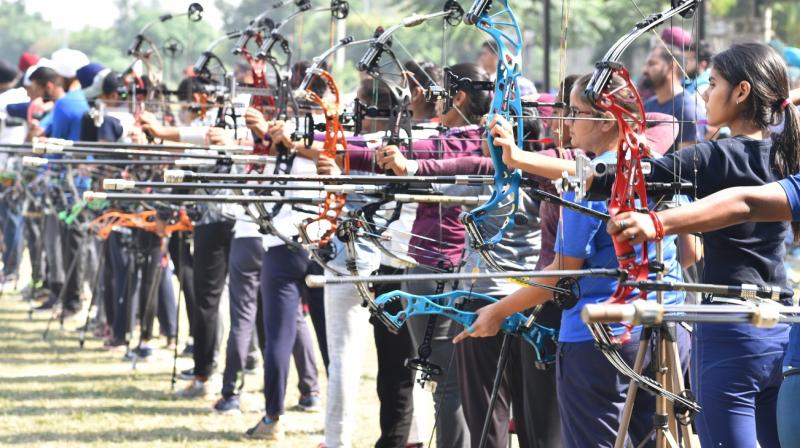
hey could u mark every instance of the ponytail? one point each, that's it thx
(787, 159)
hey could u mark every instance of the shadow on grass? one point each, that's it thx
(71, 393)
(88, 409)
(151, 435)
(92, 378)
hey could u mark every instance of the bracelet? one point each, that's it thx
(658, 225)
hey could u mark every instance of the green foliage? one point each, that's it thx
(592, 24)
(787, 18)
(722, 7)
(20, 31)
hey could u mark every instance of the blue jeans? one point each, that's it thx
(736, 374)
(592, 393)
(283, 273)
(788, 415)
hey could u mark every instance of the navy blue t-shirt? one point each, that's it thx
(751, 252)
(109, 131)
(687, 110)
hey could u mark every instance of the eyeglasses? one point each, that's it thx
(574, 112)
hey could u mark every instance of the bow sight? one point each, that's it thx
(257, 25)
(452, 85)
(194, 14)
(476, 11)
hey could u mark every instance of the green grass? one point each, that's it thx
(52, 393)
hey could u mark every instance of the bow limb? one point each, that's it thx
(502, 26)
(332, 208)
(629, 185)
(348, 233)
(398, 81)
(629, 190)
(447, 305)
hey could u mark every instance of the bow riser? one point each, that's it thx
(506, 103)
(446, 305)
(332, 208)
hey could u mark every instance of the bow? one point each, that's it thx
(503, 28)
(261, 95)
(146, 70)
(332, 208)
(629, 184)
(397, 80)
(392, 73)
(281, 65)
(149, 221)
(448, 305)
(629, 188)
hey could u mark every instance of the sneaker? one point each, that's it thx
(48, 305)
(266, 429)
(142, 353)
(68, 313)
(309, 403)
(40, 295)
(187, 374)
(9, 283)
(113, 343)
(228, 405)
(188, 351)
(195, 389)
(250, 365)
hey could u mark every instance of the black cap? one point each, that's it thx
(8, 73)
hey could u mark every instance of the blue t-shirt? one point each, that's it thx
(18, 110)
(791, 185)
(66, 116)
(687, 109)
(702, 80)
(587, 238)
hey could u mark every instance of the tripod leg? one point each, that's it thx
(633, 388)
(678, 386)
(95, 290)
(178, 313)
(502, 361)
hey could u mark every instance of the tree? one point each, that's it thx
(20, 32)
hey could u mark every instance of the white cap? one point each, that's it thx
(43, 62)
(96, 89)
(67, 61)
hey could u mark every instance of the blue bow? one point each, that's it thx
(503, 27)
(446, 304)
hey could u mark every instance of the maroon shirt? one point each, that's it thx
(433, 222)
